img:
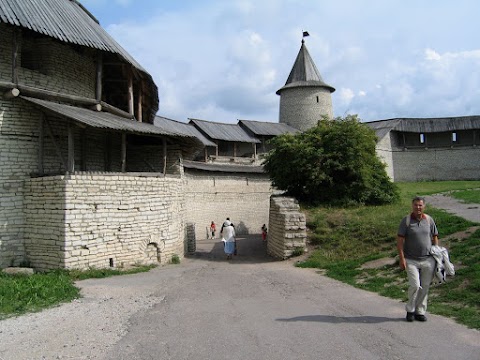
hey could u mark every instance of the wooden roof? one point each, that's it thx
(222, 131)
(425, 125)
(263, 128)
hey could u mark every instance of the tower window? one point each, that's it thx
(318, 99)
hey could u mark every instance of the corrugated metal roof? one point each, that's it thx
(64, 20)
(223, 168)
(182, 128)
(425, 125)
(221, 131)
(304, 72)
(263, 128)
(102, 120)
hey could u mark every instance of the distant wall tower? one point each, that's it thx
(305, 96)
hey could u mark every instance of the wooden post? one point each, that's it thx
(234, 150)
(216, 149)
(206, 153)
(71, 149)
(164, 143)
(130, 93)
(124, 152)
(254, 151)
(107, 161)
(57, 148)
(98, 90)
(41, 144)
(84, 152)
(139, 105)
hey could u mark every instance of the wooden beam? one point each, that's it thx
(116, 111)
(99, 79)
(41, 143)
(54, 96)
(71, 149)
(96, 107)
(10, 94)
(124, 152)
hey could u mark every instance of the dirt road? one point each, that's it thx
(247, 308)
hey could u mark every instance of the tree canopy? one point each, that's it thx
(332, 163)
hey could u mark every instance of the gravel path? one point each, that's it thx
(467, 211)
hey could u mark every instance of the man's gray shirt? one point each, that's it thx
(418, 237)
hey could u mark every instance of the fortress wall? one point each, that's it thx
(245, 198)
(103, 220)
(462, 163)
(384, 152)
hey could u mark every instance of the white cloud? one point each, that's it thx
(346, 95)
(225, 60)
(431, 55)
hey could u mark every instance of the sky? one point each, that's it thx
(224, 60)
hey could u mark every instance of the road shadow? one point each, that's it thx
(342, 319)
(250, 249)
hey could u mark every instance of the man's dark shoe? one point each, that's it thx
(410, 316)
(420, 317)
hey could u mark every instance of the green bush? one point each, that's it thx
(333, 163)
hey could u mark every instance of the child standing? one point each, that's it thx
(213, 229)
(264, 232)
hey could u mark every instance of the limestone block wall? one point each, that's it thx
(18, 154)
(103, 220)
(216, 196)
(302, 107)
(462, 163)
(384, 152)
(288, 227)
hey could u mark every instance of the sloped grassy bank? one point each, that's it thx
(346, 238)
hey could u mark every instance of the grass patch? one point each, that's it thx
(20, 294)
(467, 196)
(346, 238)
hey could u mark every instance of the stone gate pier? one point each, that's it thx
(288, 227)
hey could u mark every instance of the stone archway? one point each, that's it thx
(152, 254)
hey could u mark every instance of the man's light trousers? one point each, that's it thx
(420, 276)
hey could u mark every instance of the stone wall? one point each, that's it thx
(18, 154)
(384, 152)
(103, 220)
(245, 198)
(303, 107)
(462, 163)
(288, 227)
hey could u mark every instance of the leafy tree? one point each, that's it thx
(332, 163)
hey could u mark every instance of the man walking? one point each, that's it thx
(416, 235)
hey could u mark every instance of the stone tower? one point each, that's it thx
(305, 97)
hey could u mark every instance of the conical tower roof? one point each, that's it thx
(304, 72)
